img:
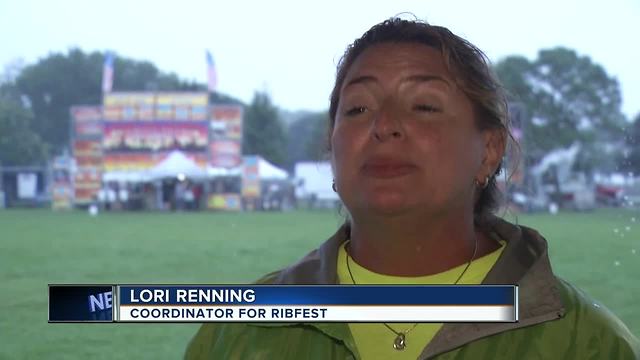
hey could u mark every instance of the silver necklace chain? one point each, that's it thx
(400, 342)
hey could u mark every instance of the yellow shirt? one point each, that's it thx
(374, 340)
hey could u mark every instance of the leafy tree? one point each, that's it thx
(19, 145)
(318, 144)
(220, 98)
(263, 132)
(569, 99)
(631, 159)
(58, 81)
(307, 138)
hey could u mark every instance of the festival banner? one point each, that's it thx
(85, 193)
(149, 106)
(131, 162)
(224, 202)
(88, 175)
(144, 161)
(87, 182)
(225, 153)
(181, 106)
(154, 136)
(85, 162)
(129, 106)
(87, 148)
(62, 195)
(226, 122)
(87, 121)
(87, 178)
(88, 129)
(61, 187)
(250, 177)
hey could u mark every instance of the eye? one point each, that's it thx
(356, 110)
(425, 108)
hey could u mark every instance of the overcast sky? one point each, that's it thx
(290, 48)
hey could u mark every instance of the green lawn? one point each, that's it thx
(600, 252)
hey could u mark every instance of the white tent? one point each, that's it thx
(268, 171)
(125, 176)
(176, 163)
(213, 172)
(315, 179)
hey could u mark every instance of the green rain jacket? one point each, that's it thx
(557, 320)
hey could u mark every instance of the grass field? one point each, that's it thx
(600, 252)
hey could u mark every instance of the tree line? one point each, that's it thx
(563, 97)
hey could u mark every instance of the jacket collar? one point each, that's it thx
(524, 262)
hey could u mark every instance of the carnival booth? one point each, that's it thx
(224, 185)
(126, 190)
(173, 183)
(179, 183)
(255, 185)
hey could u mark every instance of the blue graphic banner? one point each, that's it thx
(318, 295)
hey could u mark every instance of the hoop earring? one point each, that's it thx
(333, 186)
(484, 184)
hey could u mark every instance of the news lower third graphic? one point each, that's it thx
(283, 303)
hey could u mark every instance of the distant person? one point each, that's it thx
(101, 198)
(197, 196)
(179, 195)
(150, 196)
(116, 204)
(123, 196)
(110, 197)
(189, 197)
(418, 128)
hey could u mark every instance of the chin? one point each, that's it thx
(387, 204)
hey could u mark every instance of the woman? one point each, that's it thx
(418, 128)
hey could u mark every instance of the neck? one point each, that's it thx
(415, 244)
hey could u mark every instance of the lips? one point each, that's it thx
(387, 168)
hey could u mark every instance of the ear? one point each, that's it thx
(495, 142)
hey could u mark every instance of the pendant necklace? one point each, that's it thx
(400, 341)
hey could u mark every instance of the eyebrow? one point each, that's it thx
(413, 78)
(425, 78)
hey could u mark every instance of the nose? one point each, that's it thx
(387, 125)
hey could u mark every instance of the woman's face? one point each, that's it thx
(404, 137)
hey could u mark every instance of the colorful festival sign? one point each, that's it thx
(128, 106)
(131, 106)
(87, 182)
(224, 202)
(225, 153)
(87, 148)
(87, 121)
(87, 178)
(155, 136)
(250, 177)
(144, 161)
(226, 122)
(181, 106)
